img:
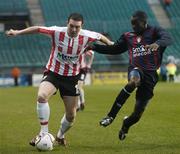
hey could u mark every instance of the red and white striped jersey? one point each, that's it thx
(87, 59)
(66, 52)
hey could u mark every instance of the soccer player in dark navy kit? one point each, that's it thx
(145, 46)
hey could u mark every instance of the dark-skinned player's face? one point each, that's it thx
(138, 25)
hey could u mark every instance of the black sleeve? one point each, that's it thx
(163, 37)
(118, 47)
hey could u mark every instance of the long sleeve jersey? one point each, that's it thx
(66, 52)
(135, 45)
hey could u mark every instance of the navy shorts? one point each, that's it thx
(148, 80)
(67, 85)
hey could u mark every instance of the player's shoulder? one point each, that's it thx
(59, 29)
(128, 34)
(88, 33)
(154, 28)
(56, 28)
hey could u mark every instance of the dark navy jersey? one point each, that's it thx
(135, 45)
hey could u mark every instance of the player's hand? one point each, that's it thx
(153, 47)
(11, 32)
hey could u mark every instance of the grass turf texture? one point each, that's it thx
(158, 132)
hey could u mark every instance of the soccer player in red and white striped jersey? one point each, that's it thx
(62, 69)
(66, 54)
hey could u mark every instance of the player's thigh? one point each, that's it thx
(146, 90)
(69, 86)
(46, 89)
(135, 77)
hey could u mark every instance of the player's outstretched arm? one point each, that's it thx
(106, 40)
(118, 47)
(29, 30)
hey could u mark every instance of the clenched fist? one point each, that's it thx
(153, 47)
(12, 32)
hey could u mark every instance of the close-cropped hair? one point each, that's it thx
(76, 17)
(140, 15)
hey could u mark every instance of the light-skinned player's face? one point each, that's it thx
(74, 27)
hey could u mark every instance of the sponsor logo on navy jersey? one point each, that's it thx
(140, 51)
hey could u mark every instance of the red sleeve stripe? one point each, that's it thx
(91, 39)
(46, 31)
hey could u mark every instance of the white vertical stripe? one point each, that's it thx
(75, 47)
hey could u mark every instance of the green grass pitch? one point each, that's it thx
(158, 132)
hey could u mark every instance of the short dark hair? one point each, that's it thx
(140, 15)
(76, 16)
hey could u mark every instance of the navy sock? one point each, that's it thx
(121, 99)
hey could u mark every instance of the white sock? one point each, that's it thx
(82, 99)
(65, 125)
(43, 112)
(79, 103)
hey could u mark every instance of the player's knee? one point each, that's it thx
(42, 97)
(70, 117)
(135, 77)
(134, 81)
